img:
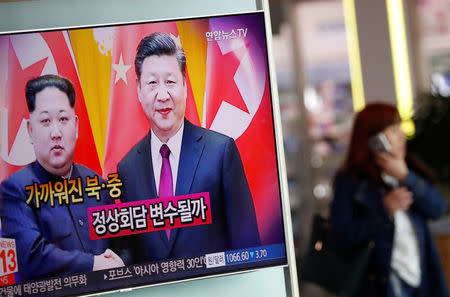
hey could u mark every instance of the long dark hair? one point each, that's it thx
(360, 161)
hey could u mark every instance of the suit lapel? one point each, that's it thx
(145, 170)
(191, 151)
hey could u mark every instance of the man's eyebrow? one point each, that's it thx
(46, 111)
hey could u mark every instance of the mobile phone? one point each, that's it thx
(379, 143)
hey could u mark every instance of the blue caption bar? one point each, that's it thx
(262, 253)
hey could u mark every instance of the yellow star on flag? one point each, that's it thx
(121, 70)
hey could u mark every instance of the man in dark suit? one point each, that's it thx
(51, 232)
(199, 161)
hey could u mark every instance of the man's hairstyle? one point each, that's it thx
(159, 44)
(37, 84)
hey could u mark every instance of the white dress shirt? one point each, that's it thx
(405, 252)
(174, 144)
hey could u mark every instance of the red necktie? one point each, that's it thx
(165, 182)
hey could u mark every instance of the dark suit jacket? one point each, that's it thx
(49, 241)
(209, 162)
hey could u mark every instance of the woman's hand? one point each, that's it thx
(393, 166)
(397, 199)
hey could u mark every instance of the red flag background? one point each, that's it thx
(239, 105)
(127, 123)
(48, 53)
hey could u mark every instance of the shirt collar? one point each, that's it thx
(70, 173)
(41, 169)
(174, 142)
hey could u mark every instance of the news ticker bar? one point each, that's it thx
(242, 256)
(165, 270)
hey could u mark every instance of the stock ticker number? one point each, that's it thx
(246, 255)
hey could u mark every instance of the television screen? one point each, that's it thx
(136, 154)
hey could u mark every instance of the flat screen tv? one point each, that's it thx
(137, 154)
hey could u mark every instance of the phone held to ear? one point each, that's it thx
(379, 143)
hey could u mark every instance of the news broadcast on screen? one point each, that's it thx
(137, 154)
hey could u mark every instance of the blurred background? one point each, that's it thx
(334, 56)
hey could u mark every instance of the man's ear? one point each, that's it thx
(76, 126)
(185, 90)
(30, 129)
(138, 89)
